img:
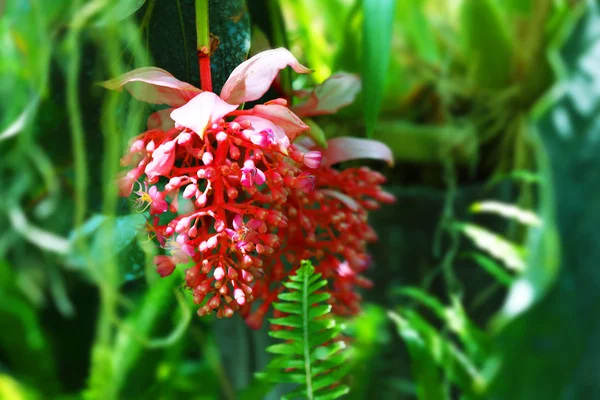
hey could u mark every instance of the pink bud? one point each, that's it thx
(219, 273)
(247, 276)
(239, 296)
(207, 158)
(312, 159)
(190, 191)
(184, 138)
(136, 146)
(212, 242)
(201, 201)
(221, 136)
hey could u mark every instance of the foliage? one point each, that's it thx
(312, 356)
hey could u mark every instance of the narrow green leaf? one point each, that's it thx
(333, 393)
(293, 285)
(378, 18)
(319, 311)
(425, 298)
(424, 369)
(286, 334)
(508, 211)
(324, 352)
(509, 253)
(285, 348)
(491, 267)
(318, 297)
(293, 296)
(289, 308)
(291, 321)
(316, 286)
(287, 377)
(325, 336)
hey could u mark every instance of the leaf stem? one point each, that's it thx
(203, 45)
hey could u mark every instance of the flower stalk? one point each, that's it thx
(203, 44)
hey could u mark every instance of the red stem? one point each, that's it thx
(204, 64)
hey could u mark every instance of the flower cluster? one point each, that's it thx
(232, 192)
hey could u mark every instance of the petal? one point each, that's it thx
(161, 120)
(202, 111)
(237, 222)
(336, 92)
(348, 148)
(154, 85)
(259, 124)
(162, 160)
(252, 78)
(347, 200)
(283, 117)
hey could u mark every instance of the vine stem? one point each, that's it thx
(203, 45)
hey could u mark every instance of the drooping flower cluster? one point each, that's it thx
(227, 189)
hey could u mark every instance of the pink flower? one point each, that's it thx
(197, 110)
(241, 195)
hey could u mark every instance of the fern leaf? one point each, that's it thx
(310, 355)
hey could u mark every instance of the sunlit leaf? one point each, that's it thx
(378, 19)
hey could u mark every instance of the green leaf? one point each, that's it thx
(304, 359)
(428, 378)
(230, 23)
(378, 18)
(417, 29)
(509, 253)
(316, 133)
(491, 267)
(487, 44)
(507, 211)
(557, 301)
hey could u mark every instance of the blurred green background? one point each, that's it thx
(486, 281)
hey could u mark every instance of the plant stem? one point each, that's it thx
(203, 45)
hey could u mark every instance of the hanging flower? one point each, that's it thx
(237, 197)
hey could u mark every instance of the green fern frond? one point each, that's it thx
(310, 356)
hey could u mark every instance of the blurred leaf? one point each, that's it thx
(122, 10)
(125, 230)
(23, 341)
(425, 371)
(10, 389)
(487, 44)
(377, 30)
(492, 267)
(429, 351)
(507, 211)
(417, 29)
(135, 331)
(509, 253)
(370, 334)
(551, 350)
(316, 133)
(230, 23)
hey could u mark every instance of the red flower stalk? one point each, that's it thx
(226, 189)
